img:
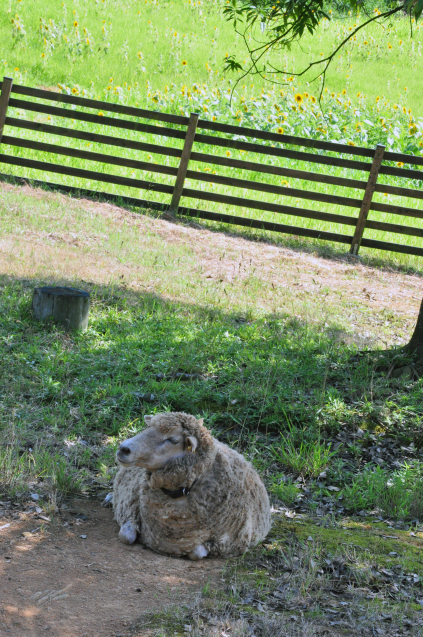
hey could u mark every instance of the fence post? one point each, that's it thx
(6, 89)
(183, 165)
(367, 199)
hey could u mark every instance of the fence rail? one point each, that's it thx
(186, 129)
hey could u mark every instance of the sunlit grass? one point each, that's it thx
(168, 56)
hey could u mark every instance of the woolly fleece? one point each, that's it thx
(227, 510)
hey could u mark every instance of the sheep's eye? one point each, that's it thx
(174, 441)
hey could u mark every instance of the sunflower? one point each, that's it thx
(184, 62)
(313, 99)
(298, 98)
(351, 144)
(280, 131)
(74, 91)
(75, 24)
(400, 164)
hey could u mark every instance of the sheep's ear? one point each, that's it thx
(147, 420)
(191, 444)
(200, 421)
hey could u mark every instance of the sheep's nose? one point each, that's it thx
(124, 450)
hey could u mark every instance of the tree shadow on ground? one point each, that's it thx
(143, 353)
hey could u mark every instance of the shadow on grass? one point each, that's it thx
(142, 353)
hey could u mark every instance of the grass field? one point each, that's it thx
(145, 43)
(259, 335)
(181, 72)
(268, 334)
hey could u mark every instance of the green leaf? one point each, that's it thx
(418, 10)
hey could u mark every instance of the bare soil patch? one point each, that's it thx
(55, 582)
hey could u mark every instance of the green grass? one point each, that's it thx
(203, 37)
(278, 380)
(278, 384)
(358, 116)
(300, 455)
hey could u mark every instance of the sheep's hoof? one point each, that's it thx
(198, 553)
(108, 500)
(128, 533)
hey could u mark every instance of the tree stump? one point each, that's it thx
(66, 306)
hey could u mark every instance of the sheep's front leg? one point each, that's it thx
(108, 500)
(198, 553)
(126, 503)
(128, 532)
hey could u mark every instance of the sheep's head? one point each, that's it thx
(168, 437)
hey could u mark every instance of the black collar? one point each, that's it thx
(179, 493)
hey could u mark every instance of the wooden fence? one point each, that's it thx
(188, 132)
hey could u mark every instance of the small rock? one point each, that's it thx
(83, 537)
(27, 534)
(393, 553)
(145, 398)
(35, 497)
(309, 539)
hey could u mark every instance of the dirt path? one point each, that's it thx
(56, 583)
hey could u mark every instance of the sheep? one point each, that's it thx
(184, 493)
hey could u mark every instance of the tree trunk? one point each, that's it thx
(66, 306)
(413, 350)
(415, 346)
